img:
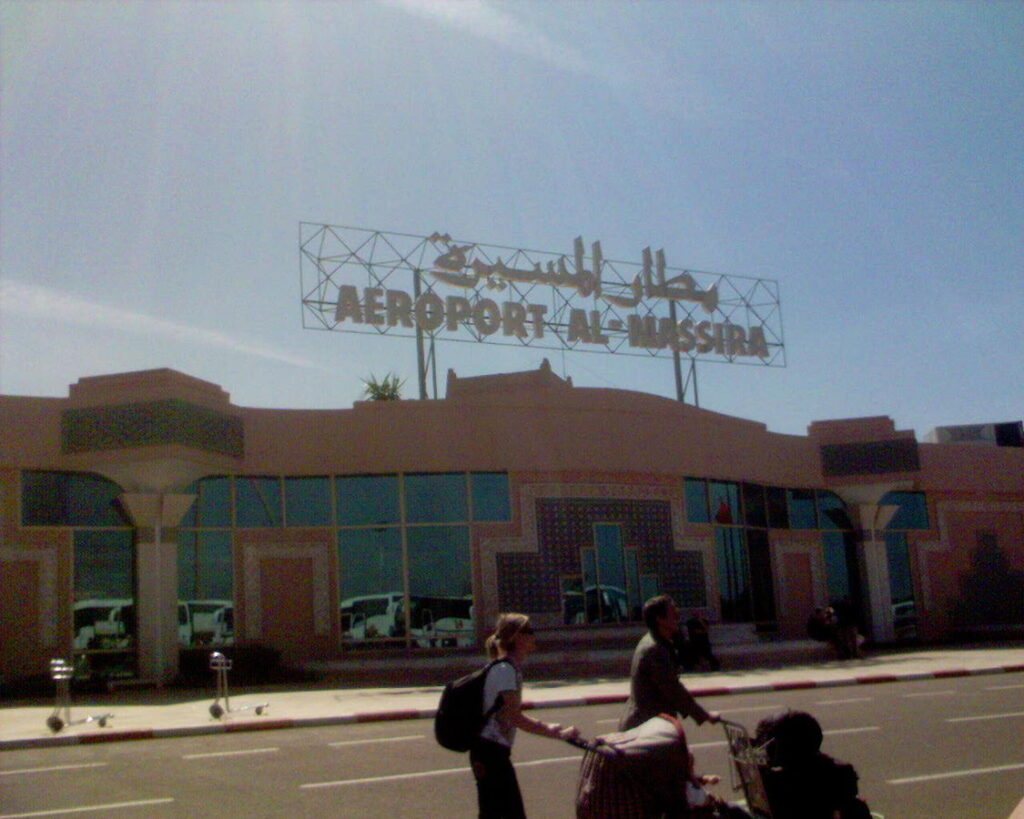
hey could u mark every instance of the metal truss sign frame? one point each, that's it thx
(384, 283)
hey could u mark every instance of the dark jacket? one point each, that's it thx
(654, 686)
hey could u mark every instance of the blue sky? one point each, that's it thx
(157, 159)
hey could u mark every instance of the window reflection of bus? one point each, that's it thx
(206, 622)
(602, 604)
(441, 621)
(373, 615)
(104, 623)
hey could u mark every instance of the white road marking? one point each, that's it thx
(231, 753)
(54, 768)
(863, 730)
(372, 780)
(931, 694)
(338, 783)
(951, 774)
(372, 741)
(142, 803)
(1003, 687)
(985, 717)
(844, 702)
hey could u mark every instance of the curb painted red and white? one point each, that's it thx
(258, 724)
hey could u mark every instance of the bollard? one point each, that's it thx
(61, 672)
(221, 665)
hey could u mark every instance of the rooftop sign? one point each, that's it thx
(366, 281)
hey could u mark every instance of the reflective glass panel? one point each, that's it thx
(778, 515)
(725, 502)
(755, 513)
(901, 585)
(307, 501)
(257, 501)
(802, 513)
(103, 613)
(733, 575)
(696, 500)
(837, 574)
(912, 512)
(572, 601)
(610, 594)
(440, 586)
(372, 589)
(364, 499)
(437, 498)
(215, 502)
(70, 499)
(206, 614)
(832, 512)
(490, 496)
(760, 561)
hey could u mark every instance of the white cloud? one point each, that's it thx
(493, 23)
(49, 305)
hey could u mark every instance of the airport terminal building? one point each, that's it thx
(145, 514)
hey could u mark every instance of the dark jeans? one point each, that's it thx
(497, 788)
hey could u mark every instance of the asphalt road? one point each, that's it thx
(937, 748)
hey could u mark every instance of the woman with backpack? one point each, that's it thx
(490, 754)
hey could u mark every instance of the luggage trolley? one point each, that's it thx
(222, 665)
(747, 760)
(61, 672)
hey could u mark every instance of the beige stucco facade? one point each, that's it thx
(593, 456)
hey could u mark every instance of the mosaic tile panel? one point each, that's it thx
(151, 423)
(530, 582)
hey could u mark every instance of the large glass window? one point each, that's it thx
(367, 499)
(372, 583)
(436, 498)
(778, 514)
(490, 496)
(837, 573)
(206, 614)
(901, 586)
(725, 502)
(104, 608)
(733, 575)
(213, 505)
(69, 499)
(912, 512)
(257, 501)
(802, 509)
(832, 512)
(440, 586)
(755, 512)
(697, 500)
(307, 501)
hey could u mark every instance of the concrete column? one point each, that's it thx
(155, 515)
(875, 571)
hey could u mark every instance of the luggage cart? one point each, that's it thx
(747, 760)
(61, 672)
(221, 665)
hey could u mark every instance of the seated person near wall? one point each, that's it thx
(800, 780)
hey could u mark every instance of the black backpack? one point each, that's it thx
(460, 714)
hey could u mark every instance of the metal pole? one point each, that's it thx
(421, 368)
(693, 377)
(680, 392)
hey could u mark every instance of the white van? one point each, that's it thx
(373, 615)
(206, 622)
(104, 623)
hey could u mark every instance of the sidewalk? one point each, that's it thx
(170, 713)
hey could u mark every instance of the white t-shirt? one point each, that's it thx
(503, 676)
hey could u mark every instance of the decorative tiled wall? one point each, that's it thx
(531, 581)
